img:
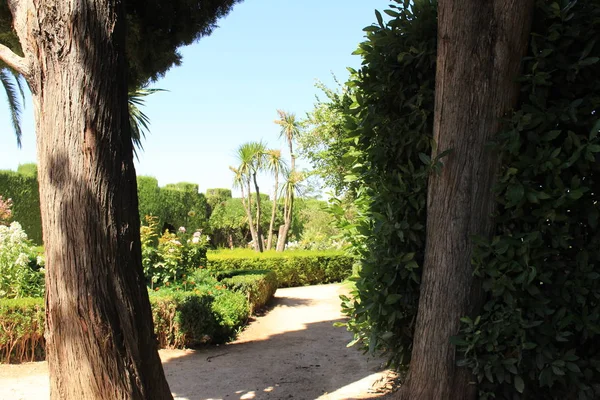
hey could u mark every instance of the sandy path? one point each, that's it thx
(292, 352)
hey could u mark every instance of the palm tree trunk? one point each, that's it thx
(259, 234)
(253, 233)
(285, 228)
(273, 211)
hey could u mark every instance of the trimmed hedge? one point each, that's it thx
(292, 268)
(22, 330)
(24, 192)
(181, 319)
(258, 286)
(188, 319)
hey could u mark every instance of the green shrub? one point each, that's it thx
(293, 268)
(22, 333)
(23, 190)
(187, 319)
(258, 286)
(210, 314)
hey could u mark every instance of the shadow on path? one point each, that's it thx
(292, 352)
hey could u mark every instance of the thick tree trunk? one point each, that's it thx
(99, 333)
(480, 45)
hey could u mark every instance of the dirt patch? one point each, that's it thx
(291, 352)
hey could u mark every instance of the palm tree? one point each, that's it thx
(290, 189)
(290, 128)
(275, 164)
(251, 157)
(13, 85)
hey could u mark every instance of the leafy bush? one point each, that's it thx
(168, 257)
(388, 122)
(21, 274)
(200, 316)
(293, 268)
(23, 190)
(258, 286)
(181, 319)
(22, 333)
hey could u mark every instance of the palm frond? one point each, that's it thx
(139, 123)
(13, 87)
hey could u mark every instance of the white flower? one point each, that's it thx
(195, 239)
(197, 234)
(182, 229)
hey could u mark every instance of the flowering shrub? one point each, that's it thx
(168, 257)
(21, 274)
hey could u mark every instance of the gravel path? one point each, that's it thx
(291, 352)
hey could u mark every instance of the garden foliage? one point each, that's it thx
(21, 272)
(22, 333)
(293, 268)
(22, 189)
(198, 310)
(177, 204)
(537, 335)
(388, 125)
(168, 257)
(258, 286)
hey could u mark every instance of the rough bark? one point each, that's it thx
(480, 45)
(99, 333)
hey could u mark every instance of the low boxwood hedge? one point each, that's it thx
(293, 268)
(188, 319)
(210, 311)
(258, 286)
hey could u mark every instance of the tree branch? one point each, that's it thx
(14, 61)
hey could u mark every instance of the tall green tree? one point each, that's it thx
(323, 140)
(290, 128)
(99, 334)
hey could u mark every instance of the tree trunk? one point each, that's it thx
(100, 342)
(480, 45)
(273, 212)
(285, 228)
(258, 215)
(247, 204)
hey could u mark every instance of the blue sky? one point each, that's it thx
(265, 55)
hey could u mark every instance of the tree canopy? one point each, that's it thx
(156, 29)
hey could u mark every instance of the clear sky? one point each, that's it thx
(265, 55)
